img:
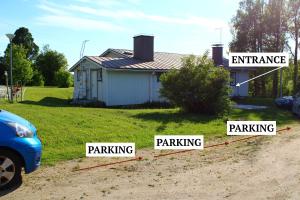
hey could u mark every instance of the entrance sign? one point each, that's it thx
(258, 59)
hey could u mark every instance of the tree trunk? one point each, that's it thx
(263, 87)
(256, 85)
(275, 84)
(296, 59)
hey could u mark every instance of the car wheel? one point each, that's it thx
(10, 169)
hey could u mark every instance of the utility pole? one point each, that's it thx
(10, 37)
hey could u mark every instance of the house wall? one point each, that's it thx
(156, 85)
(128, 87)
(87, 87)
(241, 76)
(132, 87)
(80, 84)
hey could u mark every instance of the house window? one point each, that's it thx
(78, 75)
(232, 78)
(99, 75)
(158, 74)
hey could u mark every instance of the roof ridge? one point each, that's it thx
(154, 51)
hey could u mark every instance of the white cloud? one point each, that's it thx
(137, 15)
(63, 16)
(3, 39)
(59, 16)
(109, 3)
(51, 9)
(77, 23)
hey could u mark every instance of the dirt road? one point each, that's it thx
(262, 168)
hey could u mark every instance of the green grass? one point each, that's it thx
(64, 129)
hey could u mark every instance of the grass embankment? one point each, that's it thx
(64, 129)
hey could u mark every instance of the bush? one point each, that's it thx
(37, 79)
(198, 87)
(63, 79)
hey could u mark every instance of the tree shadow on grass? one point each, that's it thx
(281, 116)
(174, 117)
(50, 102)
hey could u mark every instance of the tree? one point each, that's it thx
(260, 26)
(49, 62)
(198, 86)
(22, 70)
(276, 29)
(24, 37)
(63, 79)
(37, 78)
(294, 26)
(2, 69)
(248, 31)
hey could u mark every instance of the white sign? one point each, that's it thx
(258, 59)
(178, 142)
(110, 149)
(251, 127)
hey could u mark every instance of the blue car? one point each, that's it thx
(285, 102)
(20, 148)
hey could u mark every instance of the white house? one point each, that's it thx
(124, 77)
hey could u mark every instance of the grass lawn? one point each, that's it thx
(64, 129)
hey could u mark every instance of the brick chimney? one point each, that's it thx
(143, 47)
(217, 54)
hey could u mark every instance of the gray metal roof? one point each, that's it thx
(162, 60)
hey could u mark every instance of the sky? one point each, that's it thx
(179, 26)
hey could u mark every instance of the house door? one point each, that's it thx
(94, 85)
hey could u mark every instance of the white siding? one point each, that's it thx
(76, 86)
(88, 87)
(241, 76)
(156, 85)
(80, 85)
(102, 86)
(128, 87)
(131, 87)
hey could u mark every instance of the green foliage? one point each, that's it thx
(261, 26)
(63, 79)
(293, 14)
(24, 52)
(22, 69)
(2, 69)
(37, 79)
(198, 86)
(49, 62)
(31, 68)
(24, 37)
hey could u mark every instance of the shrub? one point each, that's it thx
(198, 87)
(37, 79)
(63, 79)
